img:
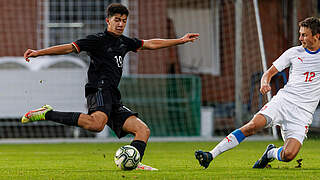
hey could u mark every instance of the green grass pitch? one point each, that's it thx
(175, 160)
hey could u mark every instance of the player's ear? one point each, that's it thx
(107, 20)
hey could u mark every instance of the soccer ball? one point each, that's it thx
(127, 157)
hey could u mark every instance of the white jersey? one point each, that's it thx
(303, 87)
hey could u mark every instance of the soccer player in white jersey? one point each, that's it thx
(293, 106)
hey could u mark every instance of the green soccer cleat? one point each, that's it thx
(36, 115)
(145, 167)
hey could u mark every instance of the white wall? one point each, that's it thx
(24, 90)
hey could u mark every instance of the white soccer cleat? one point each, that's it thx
(145, 167)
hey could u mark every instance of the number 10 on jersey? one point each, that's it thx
(119, 61)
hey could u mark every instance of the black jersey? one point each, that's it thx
(106, 53)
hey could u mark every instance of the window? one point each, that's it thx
(68, 20)
(202, 17)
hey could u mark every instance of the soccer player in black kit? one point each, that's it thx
(106, 51)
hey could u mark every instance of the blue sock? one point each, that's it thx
(239, 135)
(279, 153)
(231, 141)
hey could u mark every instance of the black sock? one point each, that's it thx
(140, 146)
(67, 118)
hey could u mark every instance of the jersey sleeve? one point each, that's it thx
(134, 44)
(88, 44)
(283, 61)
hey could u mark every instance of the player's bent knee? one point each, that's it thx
(147, 131)
(288, 155)
(249, 129)
(252, 128)
(99, 128)
(95, 125)
(287, 158)
(143, 131)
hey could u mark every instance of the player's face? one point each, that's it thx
(117, 23)
(307, 39)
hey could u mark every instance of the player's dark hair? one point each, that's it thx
(116, 8)
(312, 23)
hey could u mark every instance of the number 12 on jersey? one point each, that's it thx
(309, 76)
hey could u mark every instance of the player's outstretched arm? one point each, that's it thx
(152, 44)
(266, 78)
(54, 50)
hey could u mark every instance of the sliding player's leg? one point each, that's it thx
(290, 150)
(294, 124)
(293, 136)
(232, 140)
(284, 153)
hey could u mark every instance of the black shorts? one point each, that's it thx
(108, 101)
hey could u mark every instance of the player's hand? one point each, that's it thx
(265, 88)
(190, 37)
(30, 53)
